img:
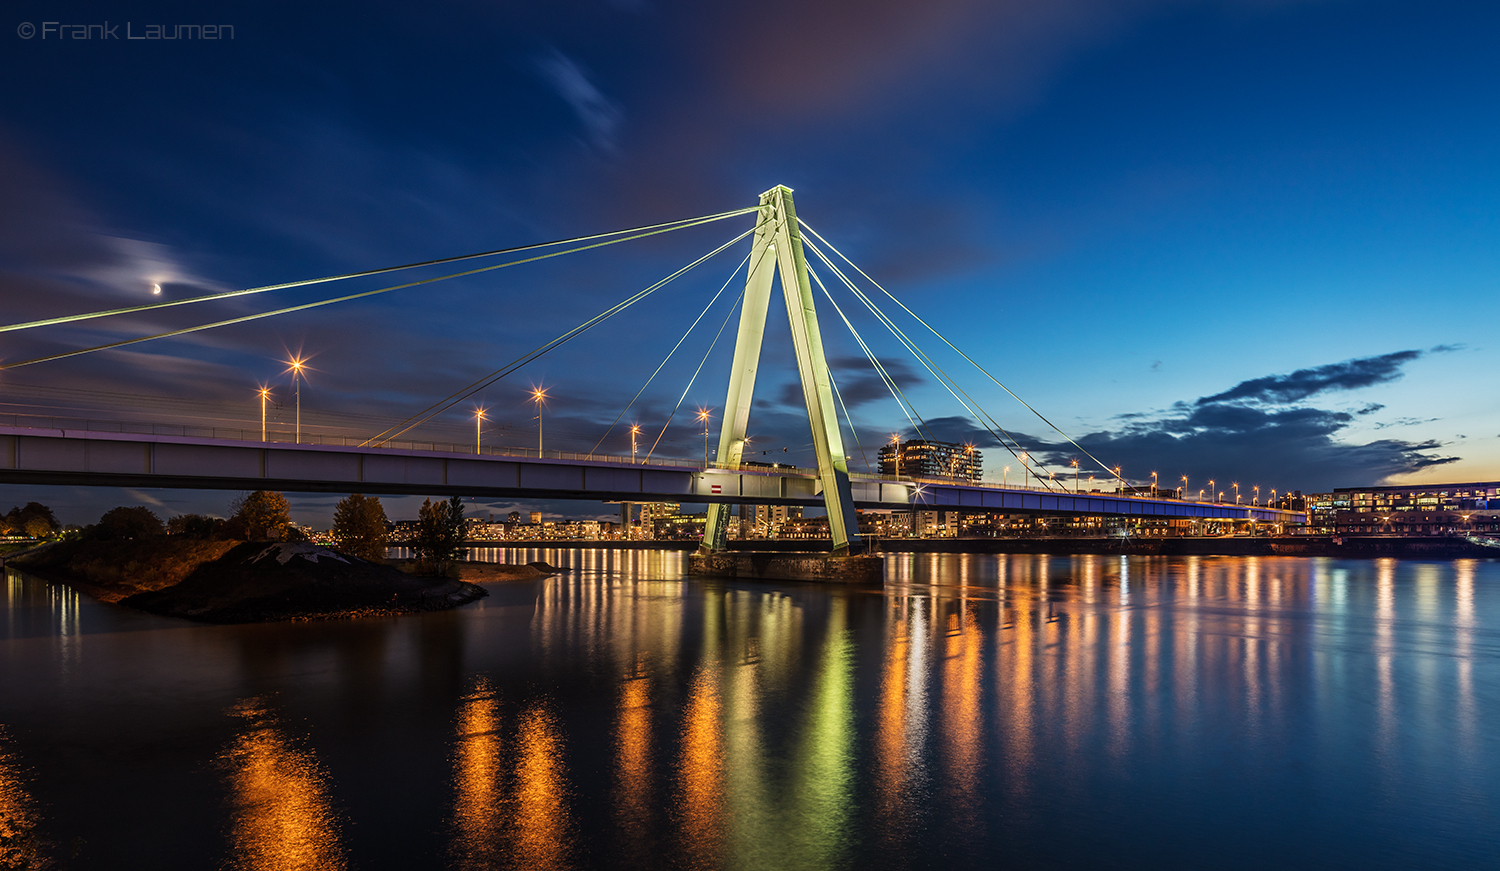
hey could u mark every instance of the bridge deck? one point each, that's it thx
(87, 458)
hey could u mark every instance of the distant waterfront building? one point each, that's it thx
(1409, 509)
(921, 458)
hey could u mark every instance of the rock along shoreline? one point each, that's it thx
(252, 582)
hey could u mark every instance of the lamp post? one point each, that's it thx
(703, 415)
(1236, 486)
(635, 430)
(297, 365)
(1255, 500)
(1210, 487)
(1153, 485)
(1025, 470)
(1007, 476)
(265, 394)
(896, 451)
(539, 396)
(1183, 494)
(478, 416)
(1075, 477)
(1120, 481)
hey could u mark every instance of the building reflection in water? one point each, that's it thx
(737, 727)
(282, 816)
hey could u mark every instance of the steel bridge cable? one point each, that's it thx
(310, 305)
(971, 360)
(931, 366)
(668, 358)
(463, 393)
(689, 386)
(711, 345)
(228, 294)
(853, 433)
(890, 383)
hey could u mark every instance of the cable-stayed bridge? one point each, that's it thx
(380, 463)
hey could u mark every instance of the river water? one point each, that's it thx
(979, 712)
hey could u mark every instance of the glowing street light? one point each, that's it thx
(297, 364)
(896, 447)
(635, 430)
(1183, 493)
(1210, 487)
(265, 394)
(1120, 479)
(478, 416)
(1153, 485)
(704, 416)
(1236, 486)
(1007, 476)
(1075, 477)
(539, 396)
(1256, 500)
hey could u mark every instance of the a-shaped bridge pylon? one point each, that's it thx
(778, 250)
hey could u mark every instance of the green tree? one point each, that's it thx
(35, 520)
(440, 536)
(263, 515)
(194, 526)
(128, 523)
(359, 527)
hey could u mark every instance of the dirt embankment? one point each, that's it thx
(489, 573)
(239, 582)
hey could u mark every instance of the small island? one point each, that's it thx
(254, 566)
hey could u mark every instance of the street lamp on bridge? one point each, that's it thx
(265, 394)
(1075, 477)
(297, 364)
(1236, 486)
(539, 396)
(1210, 488)
(703, 417)
(635, 430)
(478, 416)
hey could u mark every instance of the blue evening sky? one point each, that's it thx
(1246, 240)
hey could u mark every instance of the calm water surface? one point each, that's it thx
(980, 712)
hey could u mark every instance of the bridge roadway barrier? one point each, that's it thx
(107, 459)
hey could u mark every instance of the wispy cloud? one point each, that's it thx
(600, 116)
(1305, 383)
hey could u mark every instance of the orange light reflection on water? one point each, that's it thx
(283, 818)
(542, 824)
(477, 813)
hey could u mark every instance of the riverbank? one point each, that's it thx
(242, 582)
(1344, 547)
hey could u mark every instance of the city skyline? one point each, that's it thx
(1233, 240)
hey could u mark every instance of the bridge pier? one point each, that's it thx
(781, 566)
